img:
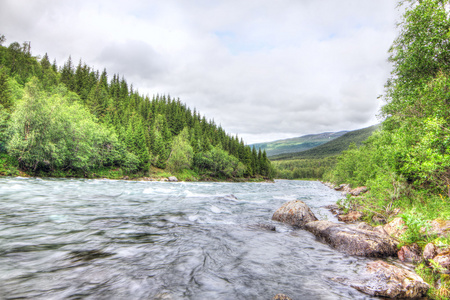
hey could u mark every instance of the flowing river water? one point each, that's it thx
(104, 239)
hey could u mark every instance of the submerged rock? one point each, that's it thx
(385, 280)
(295, 213)
(353, 241)
(334, 209)
(281, 297)
(264, 226)
(230, 197)
(87, 255)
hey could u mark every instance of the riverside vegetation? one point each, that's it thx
(75, 122)
(406, 164)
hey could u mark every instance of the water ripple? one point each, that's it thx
(103, 239)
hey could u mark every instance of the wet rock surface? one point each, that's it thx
(386, 280)
(353, 241)
(295, 213)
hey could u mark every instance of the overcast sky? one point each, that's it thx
(263, 69)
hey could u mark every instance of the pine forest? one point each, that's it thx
(77, 121)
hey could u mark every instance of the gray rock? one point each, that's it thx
(334, 209)
(351, 217)
(440, 227)
(396, 227)
(359, 190)
(339, 187)
(173, 179)
(295, 213)
(346, 189)
(364, 226)
(410, 253)
(429, 251)
(353, 241)
(443, 259)
(385, 280)
(379, 219)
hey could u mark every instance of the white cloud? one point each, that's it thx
(263, 69)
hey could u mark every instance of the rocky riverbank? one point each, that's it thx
(380, 278)
(428, 251)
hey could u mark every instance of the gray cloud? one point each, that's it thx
(122, 58)
(262, 69)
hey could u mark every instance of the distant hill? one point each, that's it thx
(331, 148)
(297, 144)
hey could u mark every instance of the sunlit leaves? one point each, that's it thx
(52, 132)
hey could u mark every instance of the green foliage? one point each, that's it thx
(74, 122)
(217, 162)
(51, 132)
(418, 227)
(407, 163)
(8, 165)
(182, 154)
(5, 93)
(187, 175)
(303, 168)
(439, 283)
(4, 120)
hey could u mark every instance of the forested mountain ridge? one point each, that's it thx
(333, 147)
(297, 144)
(76, 121)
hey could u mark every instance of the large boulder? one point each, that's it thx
(353, 240)
(295, 213)
(386, 280)
(173, 179)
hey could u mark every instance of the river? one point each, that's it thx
(105, 239)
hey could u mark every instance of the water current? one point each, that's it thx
(104, 239)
